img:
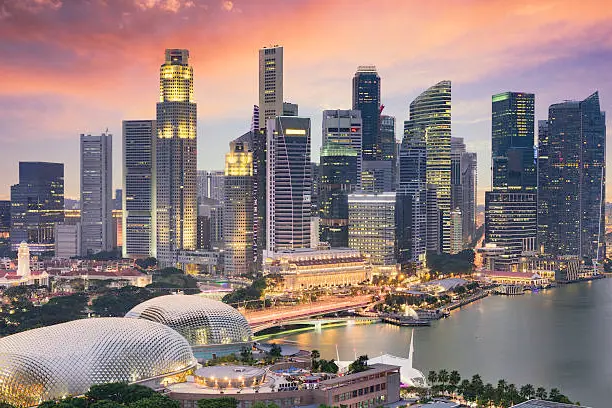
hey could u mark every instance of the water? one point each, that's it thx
(561, 337)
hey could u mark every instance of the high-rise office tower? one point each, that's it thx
(366, 98)
(204, 240)
(469, 183)
(260, 150)
(511, 208)
(456, 231)
(238, 216)
(255, 119)
(372, 226)
(430, 113)
(288, 183)
(5, 218)
(201, 185)
(512, 142)
(96, 193)
(377, 176)
(572, 171)
(434, 220)
(457, 149)
(216, 185)
(176, 158)
(118, 201)
(314, 189)
(344, 127)
(37, 204)
(338, 179)
(388, 144)
(271, 82)
(411, 204)
(139, 140)
(290, 109)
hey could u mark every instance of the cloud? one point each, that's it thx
(227, 5)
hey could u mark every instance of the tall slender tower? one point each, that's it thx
(366, 98)
(96, 193)
(270, 82)
(176, 158)
(139, 137)
(430, 112)
(238, 217)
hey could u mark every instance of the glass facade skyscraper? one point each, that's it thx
(139, 139)
(176, 158)
(338, 178)
(430, 113)
(270, 82)
(366, 98)
(572, 179)
(37, 204)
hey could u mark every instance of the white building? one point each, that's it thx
(96, 193)
(67, 240)
(270, 82)
(372, 226)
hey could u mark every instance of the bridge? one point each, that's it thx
(319, 323)
(277, 316)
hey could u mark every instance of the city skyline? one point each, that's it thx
(38, 120)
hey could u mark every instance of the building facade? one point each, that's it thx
(344, 127)
(338, 178)
(67, 240)
(289, 182)
(5, 218)
(366, 98)
(430, 113)
(139, 187)
(176, 158)
(572, 180)
(372, 226)
(270, 82)
(469, 191)
(37, 204)
(96, 194)
(238, 222)
(456, 231)
(388, 144)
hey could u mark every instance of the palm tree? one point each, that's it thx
(443, 378)
(315, 354)
(513, 394)
(541, 393)
(454, 379)
(432, 378)
(527, 391)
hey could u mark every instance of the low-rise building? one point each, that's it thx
(303, 269)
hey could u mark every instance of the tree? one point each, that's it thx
(117, 302)
(541, 393)
(246, 355)
(432, 378)
(119, 392)
(359, 365)
(527, 391)
(106, 404)
(5, 405)
(443, 377)
(315, 354)
(146, 262)
(454, 379)
(155, 401)
(328, 366)
(223, 402)
(275, 351)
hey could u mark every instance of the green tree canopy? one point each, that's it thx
(224, 402)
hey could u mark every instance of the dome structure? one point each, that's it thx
(68, 358)
(211, 327)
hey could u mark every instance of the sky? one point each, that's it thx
(83, 66)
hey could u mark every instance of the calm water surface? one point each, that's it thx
(560, 337)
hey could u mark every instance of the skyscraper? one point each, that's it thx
(288, 183)
(176, 158)
(344, 127)
(372, 226)
(572, 179)
(469, 183)
(37, 204)
(96, 193)
(411, 203)
(456, 231)
(5, 218)
(377, 176)
(139, 187)
(457, 149)
(512, 142)
(366, 98)
(238, 216)
(430, 113)
(511, 208)
(338, 179)
(388, 145)
(271, 82)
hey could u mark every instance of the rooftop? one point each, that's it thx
(544, 404)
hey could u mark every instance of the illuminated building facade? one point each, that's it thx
(325, 268)
(344, 127)
(5, 218)
(430, 113)
(338, 178)
(288, 183)
(388, 144)
(434, 220)
(411, 206)
(139, 188)
(469, 191)
(366, 98)
(572, 179)
(37, 204)
(271, 82)
(377, 176)
(238, 208)
(176, 158)
(96, 193)
(372, 226)
(456, 231)
(511, 208)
